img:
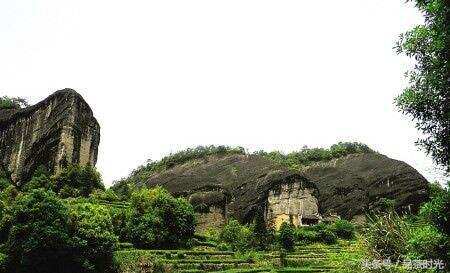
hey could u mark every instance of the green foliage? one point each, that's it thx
(120, 218)
(3, 262)
(427, 98)
(426, 242)
(38, 239)
(306, 236)
(12, 103)
(236, 235)
(308, 156)
(387, 236)
(159, 220)
(92, 232)
(262, 236)
(76, 181)
(104, 195)
(40, 180)
(344, 229)
(286, 236)
(437, 210)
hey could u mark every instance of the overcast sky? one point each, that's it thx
(165, 75)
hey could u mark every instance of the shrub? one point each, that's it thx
(344, 229)
(236, 235)
(327, 236)
(287, 236)
(262, 236)
(159, 220)
(426, 242)
(75, 181)
(93, 236)
(306, 236)
(387, 236)
(120, 218)
(437, 210)
(38, 239)
(40, 180)
(104, 195)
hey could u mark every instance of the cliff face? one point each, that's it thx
(55, 132)
(239, 186)
(353, 185)
(350, 187)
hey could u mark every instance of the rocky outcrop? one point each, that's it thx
(55, 132)
(356, 184)
(238, 185)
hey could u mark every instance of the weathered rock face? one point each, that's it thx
(292, 203)
(55, 132)
(354, 185)
(238, 186)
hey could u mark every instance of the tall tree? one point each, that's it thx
(427, 98)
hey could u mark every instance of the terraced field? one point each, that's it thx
(305, 259)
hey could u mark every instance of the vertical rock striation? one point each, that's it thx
(55, 132)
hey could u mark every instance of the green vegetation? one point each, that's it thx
(12, 103)
(286, 236)
(427, 98)
(76, 181)
(159, 220)
(307, 156)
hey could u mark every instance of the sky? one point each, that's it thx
(161, 76)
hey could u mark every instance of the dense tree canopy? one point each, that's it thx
(427, 98)
(160, 220)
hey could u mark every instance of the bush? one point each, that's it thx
(120, 218)
(92, 233)
(159, 220)
(262, 236)
(387, 236)
(40, 180)
(75, 181)
(287, 236)
(39, 239)
(306, 236)
(104, 195)
(426, 242)
(236, 235)
(437, 210)
(344, 229)
(327, 236)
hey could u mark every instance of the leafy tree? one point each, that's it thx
(92, 232)
(287, 236)
(159, 220)
(12, 103)
(76, 181)
(427, 98)
(262, 236)
(236, 235)
(38, 239)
